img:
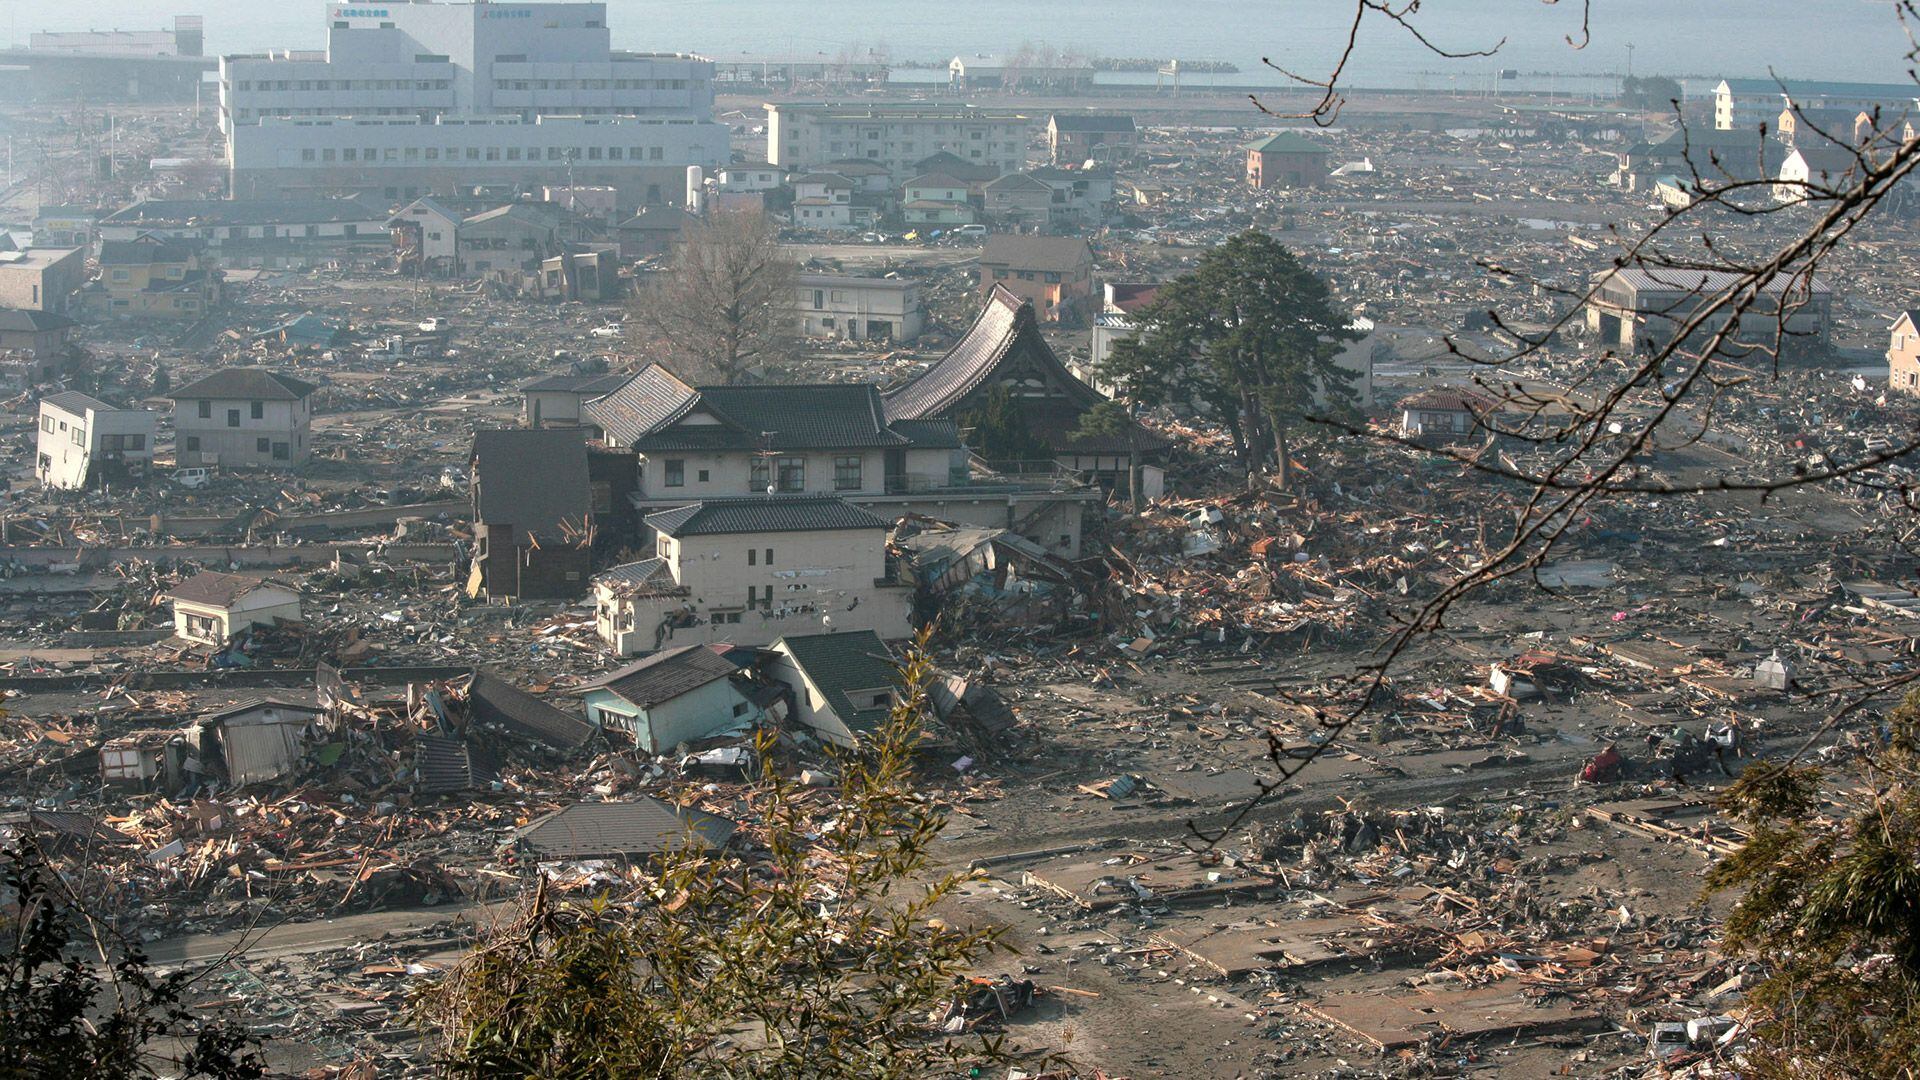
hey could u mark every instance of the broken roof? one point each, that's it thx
(218, 590)
(493, 700)
(758, 514)
(611, 830)
(665, 675)
(532, 479)
(253, 384)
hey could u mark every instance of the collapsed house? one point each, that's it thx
(532, 513)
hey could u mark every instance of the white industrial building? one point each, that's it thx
(860, 308)
(423, 98)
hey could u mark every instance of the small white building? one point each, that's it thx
(212, 607)
(747, 176)
(860, 308)
(432, 229)
(844, 685)
(85, 442)
(255, 740)
(749, 570)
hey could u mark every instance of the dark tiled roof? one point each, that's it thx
(777, 513)
(816, 416)
(1017, 181)
(493, 700)
(591, 385)
(251, 384)
(20, 321)
(1091, 122)
(217, 589)
(645, 826)
(665, 675)
(442, 765)
(954, 165)
(934, 433)
(262, 701)
(1054, 254)
(77, 403)
(1006, 330)
(650, 397)
(532, 479)
(937, 179)
(841, 663)
(141, 252)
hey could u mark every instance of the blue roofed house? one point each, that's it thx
(673, 696)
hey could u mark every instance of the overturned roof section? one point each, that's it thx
(493, 700)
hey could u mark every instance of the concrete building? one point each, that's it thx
(151, 278)
(1053, 273)
(859, 308)
(1081, 197)
(1286, 160)
(844, 685)
(824, 200)
(749, 176)
(420, 98)
(211, 607)
(1745, 104)
(186, 38)
(1903, 354)
(42, 279)
(747, 570)
(100, 66)
(64, 226)
(243, 417)
(1637, 310)
(808, 135)
(1074, 138)
(676, 695)
(85, 442)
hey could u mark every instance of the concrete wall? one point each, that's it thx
(45, 282)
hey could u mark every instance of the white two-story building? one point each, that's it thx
(751, 570)
(85, 442)
(243, 417)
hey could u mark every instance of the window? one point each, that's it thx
(759, 477)
(258, 408)
(793, 474)
(703, 476)
(753, 556)
(233, 417)
(263, 446)
(281, 451)
(846, 473)
(46, 423)
(768, 559)
(79, 435)
(741, 709)
(193, 444)
(676, 470)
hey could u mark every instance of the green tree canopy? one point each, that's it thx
(1249, 338)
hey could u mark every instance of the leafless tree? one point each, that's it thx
(1593, 440)
(723, 307)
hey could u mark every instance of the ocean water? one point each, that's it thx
(1858, 40)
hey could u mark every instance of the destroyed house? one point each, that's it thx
(212, 607)
(1642, 309)
(493, 701)
(243, 417)
(1004, 347)
(642, 828)
(85, 442)
(1074, 137)
(728, 441)
(843, 685)
(254, 740)
(746, 570)
(676, 695)
(1446, 413)
(532, 513)
(148, 277)
(39, 335)
(1903, 353)
(518, 236)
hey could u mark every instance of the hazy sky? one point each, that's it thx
(1833, 39)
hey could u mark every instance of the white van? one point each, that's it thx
(193, 478)
(974, 231)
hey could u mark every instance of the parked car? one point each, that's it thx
(971, 231)
(611, 330)
(193, 478)
(432, 325)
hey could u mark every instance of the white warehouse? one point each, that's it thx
(412, 99)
